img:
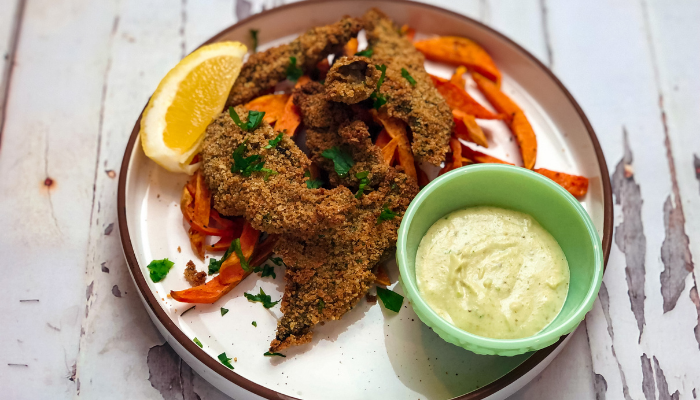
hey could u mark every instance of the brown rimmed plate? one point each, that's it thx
(370, 351)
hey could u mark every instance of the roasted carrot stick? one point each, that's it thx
(460, 51)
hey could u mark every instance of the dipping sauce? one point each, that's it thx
(492, 272)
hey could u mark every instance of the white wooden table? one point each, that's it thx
(76, 74)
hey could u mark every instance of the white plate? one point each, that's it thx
(370, 351)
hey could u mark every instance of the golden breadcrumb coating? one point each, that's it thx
(351, 80)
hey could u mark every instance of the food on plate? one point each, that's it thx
(372, 121)
(265, 69)
(492, 272)
(418, 105)
(462, 52)
(186, 100)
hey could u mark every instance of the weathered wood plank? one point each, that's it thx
(10, 24)
(47, 161)
(610, 71)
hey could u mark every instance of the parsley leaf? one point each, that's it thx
(314, 183)
(247, 165)
(215, 266)
(198, 343)
(321, 305)
(254, 37)
(261, 298)
(379, 99)
(267, 270)
(342, 160)
(293, 71)
(255, 324)
(236, 244)
(159, 268)
(364, 181)
(254, 119)
(277, 261)
(225, 360)
(274, 142)
(392, 300)
(386, 215)
(267, 353)
(408, 77)
(365, 53)
(223, 311)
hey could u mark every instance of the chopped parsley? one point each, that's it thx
(379, 99)
(247, 165)
(364, 181)
(215, 266)
(254, 119)
(255, 324)
(342, 160)
(236, 244)
(321, 305)
(386, 215)
(391, 300)
(293, 71)
(159, 268)
(365, 53)
(198, 343)
(312, 183)
(188, 310)
(261, 298)
(277, 261)
(225, 360)
(254, 37)
(274, 142)
(267, 270)
(267, 353)
(223, 311)
(408, 77)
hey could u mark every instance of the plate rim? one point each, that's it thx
(260, 390)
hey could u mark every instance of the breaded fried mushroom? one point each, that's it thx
(351, 80)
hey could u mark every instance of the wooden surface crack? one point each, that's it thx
(11, 55)
(605, 304)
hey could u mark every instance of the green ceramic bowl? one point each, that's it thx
(516, 189)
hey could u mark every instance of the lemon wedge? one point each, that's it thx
(186, 101)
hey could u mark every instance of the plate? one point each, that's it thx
(370, 351)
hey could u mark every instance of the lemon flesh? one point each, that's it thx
(186, 101)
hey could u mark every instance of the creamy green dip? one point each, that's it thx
(492, 272)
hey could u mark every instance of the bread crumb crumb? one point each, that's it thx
(194, 277)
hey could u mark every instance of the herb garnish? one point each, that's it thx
(236, 244)
(379, 99)
(223, 311)
(364, 181)
(386, 215)
(261, 298)
(247, 165)
(159, 268)
(225, 360)
(255, 324)
(215, 266)
(254, 119)
(408, 77)
(321, 305)
(391, 300)
(312, 183)
(188, 310)
(274, 142)
(293, 71)
(254, 37)
(365, 53)
(267, 353)
(277, 261)
(342, 160)
(267, 270)
(198, 343)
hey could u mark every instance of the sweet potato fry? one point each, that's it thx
(197, 242)
(466, 128)
(456, 147)
(350, 48)
(389, 151)
(460, 51)
(458, 99)
(479, 157)
(290, 119)
(397, 130)
(382, 139)
(574, 184)
(409, 32)
(422, 177)
(381, 276)
(272, 104)
(519, 125)
(458, 77)
(202, 200)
